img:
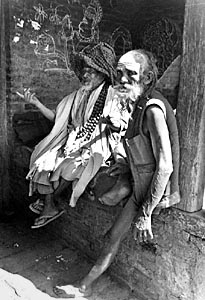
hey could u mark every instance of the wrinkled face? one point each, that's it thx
(129, 77)
(91, 78)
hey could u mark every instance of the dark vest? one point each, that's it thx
(140, 155)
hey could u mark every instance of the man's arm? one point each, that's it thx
(30, 98)
(156, 127)
(48, 113)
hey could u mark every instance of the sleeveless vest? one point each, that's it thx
(140, 155)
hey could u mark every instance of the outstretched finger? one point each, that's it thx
(150, 234)
(20, 95)
(138, 235)
(26, 90)
(144, 238)
(135, 234)
(32, 96)
(141, 236)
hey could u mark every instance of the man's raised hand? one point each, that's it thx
(27, 96)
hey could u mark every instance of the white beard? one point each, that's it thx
(129, 98)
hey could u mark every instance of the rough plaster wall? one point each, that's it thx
(63, 30)
(50, 87)
(41, 57)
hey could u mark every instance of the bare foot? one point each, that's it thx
(71, 291)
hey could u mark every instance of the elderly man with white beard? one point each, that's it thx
(87, 125)
(152, 148)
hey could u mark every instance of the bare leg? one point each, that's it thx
(49, 206)
(49, 213)
(117, 232)
(64, 184)
(119, 229)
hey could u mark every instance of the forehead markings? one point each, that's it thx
(128, 65)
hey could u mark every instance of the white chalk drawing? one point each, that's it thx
(54, 17)
(121, 40)
(52, 59)
(87, 31)
(73, 1)
(40, 14)
(72, 38)
(67, 32)
(113, 3)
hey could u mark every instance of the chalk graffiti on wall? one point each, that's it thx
(87, 31)
(121, 40)
(52, 59)
(163, 38)
(73, 1)
(113, 3)
(40, 14)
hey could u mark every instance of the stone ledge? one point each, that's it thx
(170, 259)
(169, 266)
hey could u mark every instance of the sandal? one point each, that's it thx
(37, 206)
(46, 219)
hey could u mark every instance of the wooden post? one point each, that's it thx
(4, 153)
(191, 108)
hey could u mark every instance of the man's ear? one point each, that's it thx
(148, 77)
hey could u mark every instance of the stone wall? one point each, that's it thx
(171, 267)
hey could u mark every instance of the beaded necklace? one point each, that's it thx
(92, 122)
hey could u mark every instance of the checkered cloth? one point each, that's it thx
(100, 57)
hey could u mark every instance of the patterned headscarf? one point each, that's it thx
(100, 57)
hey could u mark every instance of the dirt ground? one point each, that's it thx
(32, 262)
